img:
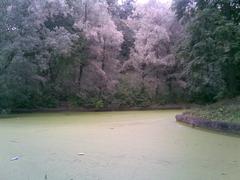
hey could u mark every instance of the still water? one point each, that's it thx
(134, 145)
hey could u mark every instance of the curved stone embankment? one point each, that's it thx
(207, 124)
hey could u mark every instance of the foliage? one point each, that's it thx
(225, 110)
(99, 104)
(209, 49)
(69, 52)
(129, 96)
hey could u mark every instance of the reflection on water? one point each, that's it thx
(134, 145)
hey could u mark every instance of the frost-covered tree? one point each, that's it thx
(104, 45)
(33, 37)
(55, 52)
(152, 56)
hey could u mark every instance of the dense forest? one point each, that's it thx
(102, 53)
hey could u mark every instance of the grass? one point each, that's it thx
(225, 110)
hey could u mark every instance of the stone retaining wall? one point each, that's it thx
(204, 123)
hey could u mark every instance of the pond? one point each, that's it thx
(130, 145)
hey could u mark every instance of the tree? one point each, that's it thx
(104, 44)
(34, 37)
(152, 55)
(68, 51)
(210, 49)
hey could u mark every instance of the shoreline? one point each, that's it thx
(220, 126)
(81, 109)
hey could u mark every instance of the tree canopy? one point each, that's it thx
(102, 53)
(210, 47)
(75, 53)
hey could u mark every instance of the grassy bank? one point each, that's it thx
(225, 110)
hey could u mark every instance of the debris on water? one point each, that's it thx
(13, 141)
(112, 128)
(15, 158)
(179, 126)
(45, 177)
(81, 154)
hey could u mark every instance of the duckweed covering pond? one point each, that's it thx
(134, 145)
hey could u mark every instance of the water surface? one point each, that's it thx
(134, 145)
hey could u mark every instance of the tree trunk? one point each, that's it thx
(85, 12)
(80, 75)
(104, 54)
(227, 10)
